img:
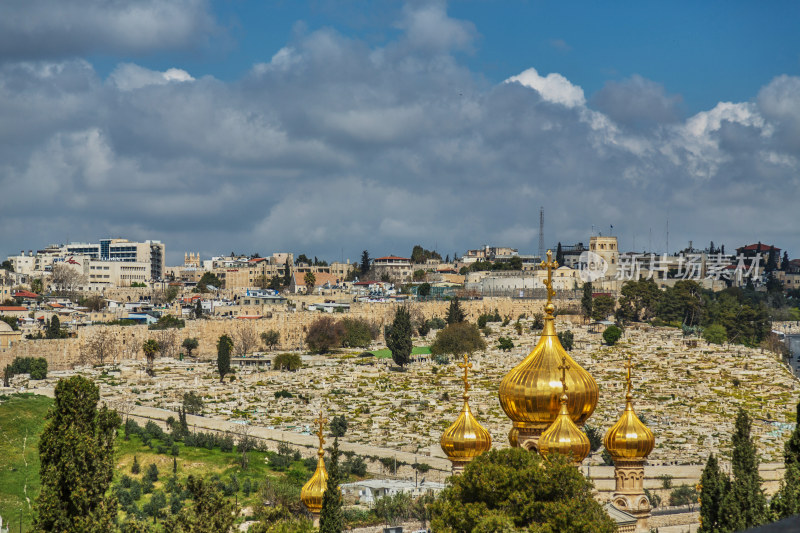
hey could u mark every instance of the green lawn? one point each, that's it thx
(386, 353)
(22, 418)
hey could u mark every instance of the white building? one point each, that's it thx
(369, 490)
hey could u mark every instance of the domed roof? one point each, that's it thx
(465, 439)
(4, 327)
(312, 492)
(629, 438)
(563, 436)
(529, 393)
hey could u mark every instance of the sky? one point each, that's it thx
(329, 127)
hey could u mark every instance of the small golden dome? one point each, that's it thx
(563, 436)
(629, 438)
(465, 439)
(312, 492)
(513, 437)
(529, 393)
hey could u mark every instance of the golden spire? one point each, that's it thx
(529, 393)
(312, 491)
(465, 439)
(629, 438)
(563, 436)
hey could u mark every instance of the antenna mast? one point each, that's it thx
(541, 232)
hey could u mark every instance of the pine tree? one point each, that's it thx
(586, 299)
(399, 339)
(364, 262)
(714, 484)
(76, 451)
(287, 273)
(135, 468)
(224, 348)
(455, 314)
(744, 506)
(559, 255)
(331, 518)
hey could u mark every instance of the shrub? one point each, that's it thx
(283, 393)
(458, 338)
(168, 322)
(287, 361)
(437, 323)
(611, 335)
(567, 339)
(505, 344)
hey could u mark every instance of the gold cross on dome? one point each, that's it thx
(550, 265)
(563, 367)
(321, 431)
(629, 365)
(466, 365)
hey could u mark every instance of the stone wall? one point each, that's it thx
(125, 342)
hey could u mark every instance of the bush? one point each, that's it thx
(324, 334)
(168, 322)
(715, 334)
(457, 339)
(567, 339)
(287, 361)
(611, 335)
(283, 393)
(505, 344)
(35, 366)
(437, 323)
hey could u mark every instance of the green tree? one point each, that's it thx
(358, 333)
(310, 280)
(76, 451)
(559, 255)
(6, 265)
(424, 289)
(287, 361)
(744, 505)
(38, 368)
(505, 344)
(508, 490)
(714, 484)
(287, 273)
(365, 261)
(339, 426)
(331, 517)
(208, 279)
(586, 300)
(787, 500)
(323, 334)
(210, 512)
(271, 338)
(715, 334)
(53, 330)
(399, 339)
(454, 313)
(192, 403)
(595, 437)
(150, 348)
(611, 335)
(190, 344)
(224, 349)
(602, 306)
(458, 339)
(567, 339)
(37, 285)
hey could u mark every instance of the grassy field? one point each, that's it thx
(22, 417)
(386, 353)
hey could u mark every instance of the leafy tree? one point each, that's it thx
(338, 426)
(224, 349)
(151, 473)
(457, 339)
(287, 361)
(399, 339)
(323, 334)
(611, 335)
(210, 512)
(454, 313)
(715, 334)
(302, 258)
(53, 330)
(190, 344)
(192, 403)
(505, 344)
(310, 280)
(682, 303)
(7, 265)
(744, 505)
(602, 306)
(198, 309)
(567, 339)
(358, 333)
(365, 261)
(331, 518)
(424, 289)
(76, 451)
(595, 437)
(271, 338)
(639, 300)
(11, 321)
(420, 254)
(38, 368)
(209, 279)
(508, 490)
(168, 322)
(37, 285)
(586, 300)
(683, 495)
(150, 348)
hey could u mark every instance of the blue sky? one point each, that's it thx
(328, 127)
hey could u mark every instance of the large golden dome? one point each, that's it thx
(629, 438)
(563, 436)
(465, 439)
(312, 492)
(529, 393)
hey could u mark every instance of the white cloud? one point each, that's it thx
(129, 76)
(553, 88)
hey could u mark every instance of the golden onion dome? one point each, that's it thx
(563, 436)
(465, 439)
(312, 492)
(529, 393)
(629, 438)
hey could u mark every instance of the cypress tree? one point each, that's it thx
(744, 506)
(331, 518)
(586, 299)
(559, 255)
(76, 451)
(399, 338)
(786, 501)
(454, 313)
(224, 348)
(791, 450)
(714, 485)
